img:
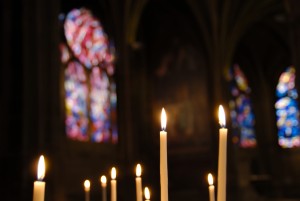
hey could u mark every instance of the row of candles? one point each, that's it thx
(103, 180)
(39, 185)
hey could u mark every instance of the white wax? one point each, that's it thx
(221, 196)
(104, 196)
(113, 190)
(211, 189)
(139, 191)
(87, 195)
(39, 191)
(163, 166)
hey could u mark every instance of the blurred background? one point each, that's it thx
(83, 82)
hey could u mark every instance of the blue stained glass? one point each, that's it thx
(100, 106)
(241, 111)
(91, 98)
(76, 102)
(287, 111)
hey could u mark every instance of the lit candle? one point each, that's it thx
(113, 184)
(147, 194)
(103, 185)
(211, 187)
(221, 196)
(87, 185)
(163, 158)
(138, 182)
(39, 185)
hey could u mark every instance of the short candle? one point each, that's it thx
(147, 194)
(113, 184)
(211, 187)
(138, 182)
(103, 181)
(87, 185)
(39, 185)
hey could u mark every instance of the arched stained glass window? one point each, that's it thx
(241, 111)
(86, 37)
(287, 110)
(90, 90)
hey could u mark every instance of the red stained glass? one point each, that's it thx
(86, 38)
(90, 90)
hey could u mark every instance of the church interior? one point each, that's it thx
(83, 83)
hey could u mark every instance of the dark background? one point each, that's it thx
(170, 54)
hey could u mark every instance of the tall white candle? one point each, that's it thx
(103, 185)
(211, 187)
(39, 185)
(147, 194)
(163, 158)
(87, 186)
(221, 196)
(138, 182)
(113, 184)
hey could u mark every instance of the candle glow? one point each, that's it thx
(222, 119)
(103, 179)
(113, 173)
(210, 179)
(41, 168)
(138, 170)
(87, 185)
(163, 119)
(147, 193)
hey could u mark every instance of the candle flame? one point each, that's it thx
(41, 168)
(103, 179)
(138, 170)
(210, 179)
(147, 193)
(113, 173)
(87, 185)
(163, 119)
(222, 120)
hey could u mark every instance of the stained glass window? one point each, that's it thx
(287, 111)
(241, 112)
(90, 90)
(76, 101)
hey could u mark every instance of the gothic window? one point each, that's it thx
(90, 90)
(287, 111)
(241, 111)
